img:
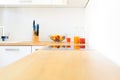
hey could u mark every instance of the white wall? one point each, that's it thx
(0, 17)
(103, 27)
(18, 21)
(0, 22)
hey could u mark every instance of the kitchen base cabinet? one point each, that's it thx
(10, 54)
(35, 48)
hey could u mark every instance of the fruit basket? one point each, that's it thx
(57, 37)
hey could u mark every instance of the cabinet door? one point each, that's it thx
(38, 2)
(8, 1)
(35, 48)
(10, 54)
(49, 2)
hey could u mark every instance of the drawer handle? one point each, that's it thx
(36, 49)
(11, 49)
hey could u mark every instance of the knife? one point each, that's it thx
(33, 25)
(37, 30)
(34, 28)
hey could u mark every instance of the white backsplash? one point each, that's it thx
(18, 22)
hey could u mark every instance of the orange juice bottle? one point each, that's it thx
(76, 42)
(76, 39)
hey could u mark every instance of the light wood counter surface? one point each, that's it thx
(28, 43)
(25, 43)
(61, 65)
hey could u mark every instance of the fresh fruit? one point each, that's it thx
(68, 46)
(57, 37)
(63, 46)
(57, 46)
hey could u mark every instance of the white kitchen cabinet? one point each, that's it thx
(15, 3)
(10, 54)
(6, 2)
(77, 3)
(44, 3)
(33, 1)
(35, 48)
(49, 2)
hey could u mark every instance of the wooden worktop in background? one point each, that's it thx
(61, 65)
(28, 43)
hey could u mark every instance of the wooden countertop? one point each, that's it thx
(28, 43)
(61, 65)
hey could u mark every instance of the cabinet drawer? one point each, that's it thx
(10, 54)
(18, 49)
(34, 48)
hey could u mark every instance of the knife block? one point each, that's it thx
(35, 38)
